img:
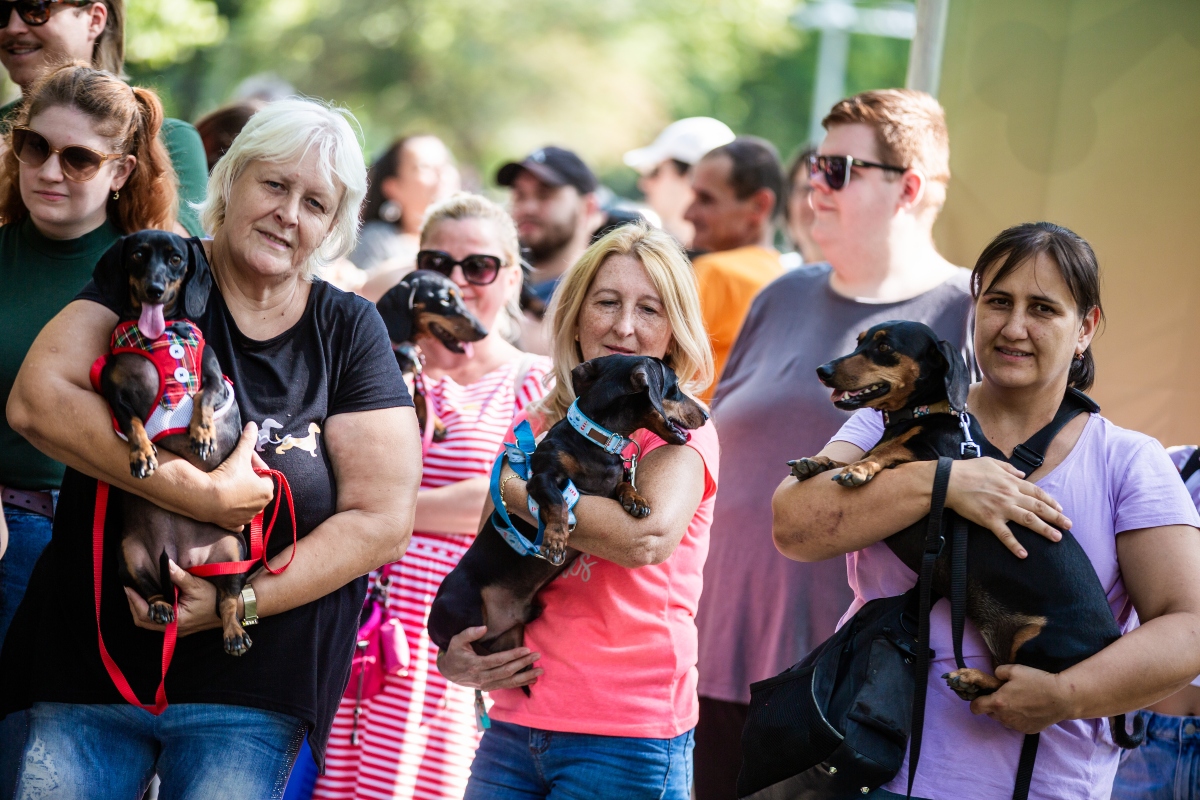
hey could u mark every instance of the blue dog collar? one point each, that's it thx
(610, 442)
(518, 455)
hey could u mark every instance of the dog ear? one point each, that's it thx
(958, 379)
(111, 277)
(583, 376)
(199, 282)
(649, 377)
(396, 309)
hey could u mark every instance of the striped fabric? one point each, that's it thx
(418, 735)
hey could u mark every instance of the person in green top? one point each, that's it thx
(42, 33)
(82, 165)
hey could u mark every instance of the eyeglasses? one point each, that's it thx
(478, 269)
(79, 163)
(836, 169)
(34, 12)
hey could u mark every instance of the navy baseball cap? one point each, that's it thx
(553, 166)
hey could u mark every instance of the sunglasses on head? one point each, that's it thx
(478, 269)
(34, 12)
(836, 169)
(78, 163)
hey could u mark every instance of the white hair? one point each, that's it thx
(286, 130)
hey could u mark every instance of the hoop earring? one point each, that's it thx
(117, 195)
(1079, 356)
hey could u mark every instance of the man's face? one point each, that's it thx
(864, 207)
(722, 221)
(667, 190)
(69, 35)
(547, 217)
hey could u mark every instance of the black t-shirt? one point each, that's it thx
(335, 360)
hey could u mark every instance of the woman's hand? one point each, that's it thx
(197, 604)
(991, 493)
(1030, 701)
(460, 664)
(238, 492)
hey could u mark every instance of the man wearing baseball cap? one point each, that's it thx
(666, 169)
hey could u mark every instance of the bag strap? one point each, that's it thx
(934, 541)
(1191, 465)
(1031, 454)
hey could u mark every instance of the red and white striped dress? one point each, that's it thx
(417, 736)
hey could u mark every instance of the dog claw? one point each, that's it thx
(971, 683)
(161, 612)
(851, 478)
(238, 645)
(143, 467)
(805, 468)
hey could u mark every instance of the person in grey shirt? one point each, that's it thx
(879, 180)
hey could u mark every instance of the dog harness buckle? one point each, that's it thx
(969, 448)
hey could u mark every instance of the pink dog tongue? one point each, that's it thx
(468, 349)
(151, 323)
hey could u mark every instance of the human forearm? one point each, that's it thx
(452, 509)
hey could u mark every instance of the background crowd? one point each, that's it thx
(738, 271)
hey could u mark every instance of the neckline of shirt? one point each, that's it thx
(68, 249)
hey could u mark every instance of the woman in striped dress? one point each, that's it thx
(417, 737)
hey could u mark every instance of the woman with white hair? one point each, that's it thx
(324, 403)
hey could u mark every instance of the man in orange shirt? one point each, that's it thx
(739, 188)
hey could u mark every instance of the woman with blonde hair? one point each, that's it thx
(417, 736)
(613, 698)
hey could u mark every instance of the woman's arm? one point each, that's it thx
(53, 405)
(818, 519)
(454, 508)
(377, 467)
(1159, 567)
(671, 478)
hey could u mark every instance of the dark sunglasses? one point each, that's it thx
(79, 163)
(836, 169)
(478, 269)
(34, 12)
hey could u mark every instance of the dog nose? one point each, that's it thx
(825, 372)
(154, 291)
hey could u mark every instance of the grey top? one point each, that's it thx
(761, 612)
(380, 241)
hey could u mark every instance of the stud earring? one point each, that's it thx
(1079, 356)
(117, 195)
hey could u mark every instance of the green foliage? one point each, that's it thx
(496, 78)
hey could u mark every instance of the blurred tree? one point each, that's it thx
(496, 78)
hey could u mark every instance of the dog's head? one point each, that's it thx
(897, 365)
(154, 276)
(428, 303)
(625, 393)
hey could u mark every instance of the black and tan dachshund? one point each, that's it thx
(495, 586)
(1047, 611)
(427, 302)
(161, 282)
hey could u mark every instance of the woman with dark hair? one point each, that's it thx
(799, 214)
(410, 176)
(1037, 307)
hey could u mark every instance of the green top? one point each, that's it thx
(38, 277)
(187, 156)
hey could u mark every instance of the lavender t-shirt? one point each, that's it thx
(1113, 480)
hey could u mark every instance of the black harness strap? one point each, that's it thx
(1191, 465)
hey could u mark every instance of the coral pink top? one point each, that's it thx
(618, 645)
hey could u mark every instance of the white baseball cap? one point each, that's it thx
(686, 140)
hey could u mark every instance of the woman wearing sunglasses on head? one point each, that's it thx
(420, 730)
(81, 167)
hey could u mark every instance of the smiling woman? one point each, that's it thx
(312, 366)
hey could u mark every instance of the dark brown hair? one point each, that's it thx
(1076, 262)
(130, 116)
(754, 166)
(219, 128)
(386, 166)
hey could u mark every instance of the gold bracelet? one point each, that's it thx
(503, 484)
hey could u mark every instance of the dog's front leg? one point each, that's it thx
(805, 468)
(631, 500)
(885, 455)
(130, 384)
(203, 431)
(543, 487)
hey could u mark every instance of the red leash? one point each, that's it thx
(258, 551)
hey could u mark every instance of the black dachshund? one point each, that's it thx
(495, 586)
(166, 389)
(1048, 611)
(427, 302)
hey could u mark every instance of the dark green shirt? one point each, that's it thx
(38, 277)
(187, 156)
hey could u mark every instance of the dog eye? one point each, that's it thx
(176, 261)
(884, 348)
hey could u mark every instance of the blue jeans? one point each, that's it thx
(199, 750)
(28, 535)
(1166, 766)
(518, 763)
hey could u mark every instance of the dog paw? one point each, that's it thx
(634, 504)
(971, 683)
(161, 611)
(142, 462)
(237, 644)
(854, 475)
(554, 544)
(439, 431)
(805, 468)
(204, 440)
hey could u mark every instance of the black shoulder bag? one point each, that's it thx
(837, 725)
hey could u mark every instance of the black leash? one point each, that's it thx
(1191, 465)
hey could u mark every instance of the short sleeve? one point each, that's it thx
(1149, 493)
(370, 378)
(863, 430)
(703, 440)
(186, 149)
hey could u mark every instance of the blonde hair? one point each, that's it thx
(910, 132)
(464, 205)
(689, 354)
(285, 130)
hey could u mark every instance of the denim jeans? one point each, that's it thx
(518, 763)
(199, 750)
(1166, 766)
(28, 535)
